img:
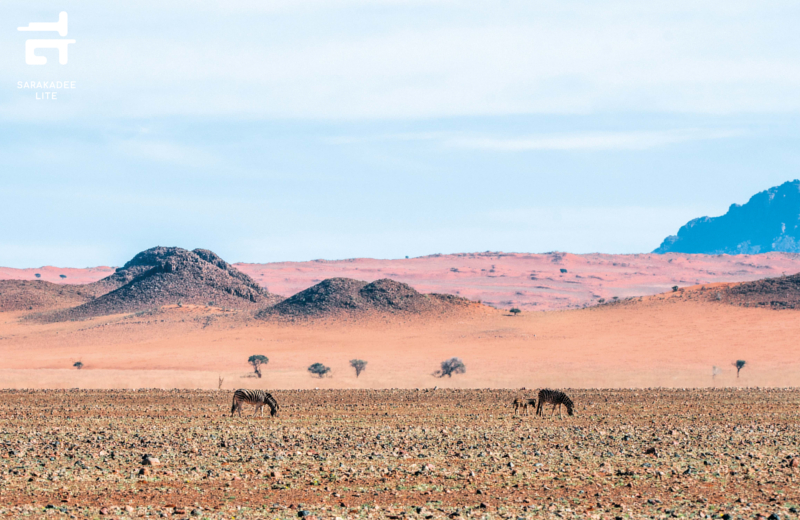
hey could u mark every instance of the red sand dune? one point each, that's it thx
(527, 281)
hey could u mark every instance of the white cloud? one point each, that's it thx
(167, 152)
(361, 59)
(590, 141)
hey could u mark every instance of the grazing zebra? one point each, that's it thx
(555, 398)
(524, 404)
(259, 398)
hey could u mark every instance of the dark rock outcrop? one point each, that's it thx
(774, 293)
(170, 275)
(338, 296)
(770, 221)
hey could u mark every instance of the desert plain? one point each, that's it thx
(713, 453)
(670, 340)
(664, 424)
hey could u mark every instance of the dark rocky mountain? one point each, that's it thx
(169, 275)
(770, 221)
(336, 296)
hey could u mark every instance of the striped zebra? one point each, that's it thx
(522, 403)
(555, 398)
(259, 398)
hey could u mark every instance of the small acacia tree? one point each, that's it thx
(78, 365)
(451, 366)
(319, 370)
(359, 365)
(740, 363)
(257, 361)
(515, 311)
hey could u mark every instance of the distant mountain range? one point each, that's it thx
(770, 221)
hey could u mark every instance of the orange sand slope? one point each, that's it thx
(669, 340)
(505, 280)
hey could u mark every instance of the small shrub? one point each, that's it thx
(451, 366)
(78, 365)
(257, 361)
(38, 275)
(62, 276)
(674, 288)
(359, 365)
(319, 370)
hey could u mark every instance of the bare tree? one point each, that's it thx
(740, 363)
(451, 366)
(257, 361)
(318, 369)
(219, 383)
(715, 371)
(359, 365)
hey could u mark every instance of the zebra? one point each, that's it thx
(523, 404)
(259, 398)
(556, 398)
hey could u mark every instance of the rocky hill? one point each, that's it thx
(769, 221)
(171, 275)
(338, 296)
(775, 293)
(36, 295)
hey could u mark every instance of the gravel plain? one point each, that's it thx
(729, 453)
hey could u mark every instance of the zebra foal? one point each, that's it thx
(258, 398)
(556, 398)
(523, 404)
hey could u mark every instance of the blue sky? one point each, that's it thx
(302, 129)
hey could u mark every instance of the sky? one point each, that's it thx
(305, 129)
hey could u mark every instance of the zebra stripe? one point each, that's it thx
(258, 398)
(556, 398)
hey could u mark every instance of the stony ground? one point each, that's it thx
(399, 454)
